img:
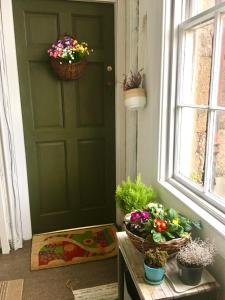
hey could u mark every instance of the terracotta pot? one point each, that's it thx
(135, 99)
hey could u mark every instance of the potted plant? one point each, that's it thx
(132, 195)
(68, 57)
(155, 226)
(192, 258)
(154, 263)
(134, 94)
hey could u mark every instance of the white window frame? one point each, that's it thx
(206, 200)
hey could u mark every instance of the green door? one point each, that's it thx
(69, 127)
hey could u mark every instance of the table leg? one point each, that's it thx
(120, 276)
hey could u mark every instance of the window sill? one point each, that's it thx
(212, 216)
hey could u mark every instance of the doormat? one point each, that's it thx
(62, 248)
(11, 290)
(101, 292)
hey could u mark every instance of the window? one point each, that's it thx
(199, 156)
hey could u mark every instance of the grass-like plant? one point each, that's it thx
(135, 195)
(156, 258)
(197, 253)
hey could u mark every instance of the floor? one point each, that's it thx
(51, 283)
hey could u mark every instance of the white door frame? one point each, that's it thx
(15, 113)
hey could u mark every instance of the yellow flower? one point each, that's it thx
(175, 221)
(81, 49)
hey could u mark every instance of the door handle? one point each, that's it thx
(109, 68)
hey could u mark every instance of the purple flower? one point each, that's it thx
(135, 216)
(139, 216)
(145, 214)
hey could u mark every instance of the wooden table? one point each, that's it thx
(131, 258)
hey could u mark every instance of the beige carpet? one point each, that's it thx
(100, 292)
(11, 290)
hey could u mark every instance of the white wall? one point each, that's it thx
(149, 128)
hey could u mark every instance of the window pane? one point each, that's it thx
(218, 184)
(221, 87)
(193, 144)
(197, 64)
(202, 5)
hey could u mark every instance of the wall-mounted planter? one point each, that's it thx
(135, 99)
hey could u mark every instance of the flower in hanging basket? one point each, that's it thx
(68, 57)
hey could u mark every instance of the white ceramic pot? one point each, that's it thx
(135, 99)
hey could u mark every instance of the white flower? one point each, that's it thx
(155, 205)
(197, 253)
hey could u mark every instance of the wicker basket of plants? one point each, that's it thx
(148, 224)
(68, 57)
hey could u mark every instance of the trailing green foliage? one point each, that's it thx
(133, 195)
(156, 258)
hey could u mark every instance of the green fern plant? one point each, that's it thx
(133, 195)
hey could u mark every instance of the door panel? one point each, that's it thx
(89, 113)
(69, 127)
(52, 177)
(51, 115)
(83, 25)
(45, 23)
(91, 154)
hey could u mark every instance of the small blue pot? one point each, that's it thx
(154, 275)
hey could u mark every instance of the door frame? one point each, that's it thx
(15, 114)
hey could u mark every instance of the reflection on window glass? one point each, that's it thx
(197, 64)
(218, 184)
(221, 87)
(202, 5)
(193, 144)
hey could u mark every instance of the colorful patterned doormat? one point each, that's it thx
(62, 248)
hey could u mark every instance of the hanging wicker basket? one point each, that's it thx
(142, 245)
(67, 71)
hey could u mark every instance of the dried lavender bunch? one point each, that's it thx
(134, 81)
(197, 253)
